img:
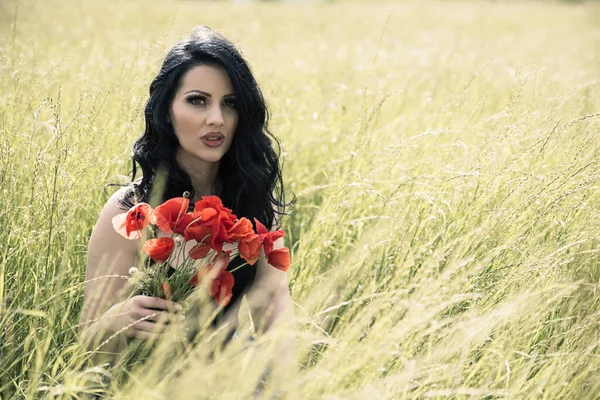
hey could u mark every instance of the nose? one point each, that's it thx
(215, 116)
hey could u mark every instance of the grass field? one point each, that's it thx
(445, 156)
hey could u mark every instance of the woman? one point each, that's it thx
(206, 132)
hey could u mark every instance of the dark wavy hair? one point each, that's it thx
(249, 173)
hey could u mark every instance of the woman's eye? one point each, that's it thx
(230, 103)
(196, 100)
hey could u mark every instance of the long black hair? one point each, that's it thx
(249, 172)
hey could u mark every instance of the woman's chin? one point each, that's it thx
(201, 156)
(213, 157)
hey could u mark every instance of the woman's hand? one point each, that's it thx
(142, 317)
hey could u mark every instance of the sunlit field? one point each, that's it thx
(446, 161)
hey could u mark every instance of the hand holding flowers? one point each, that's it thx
(142, 317)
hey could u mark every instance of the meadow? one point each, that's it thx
(446, 162)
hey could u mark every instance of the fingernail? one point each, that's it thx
(182, 318)
(178, 307)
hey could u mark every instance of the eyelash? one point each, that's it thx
(193, 100)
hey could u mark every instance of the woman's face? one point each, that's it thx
(203, 114)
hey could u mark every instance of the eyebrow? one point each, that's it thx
(207, 94)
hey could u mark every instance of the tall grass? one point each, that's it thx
(446, 161)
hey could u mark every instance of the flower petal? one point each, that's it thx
(199, 251)
(159, 249)
(167, 215)
(280, 259)
(241, 228)
(221, 288)
(199, 233)
(249, 248)
(130, 224)
(260, 228)
(206, 214)
(119, 224)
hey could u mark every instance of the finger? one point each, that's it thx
(144, 335)
(159, 317)
(151, 315)
(157, 303)
(149, 327)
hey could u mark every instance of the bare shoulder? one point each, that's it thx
(106, 244)
(113, 206)
(109, 258)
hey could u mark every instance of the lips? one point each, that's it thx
(213, 139)
(213, 136)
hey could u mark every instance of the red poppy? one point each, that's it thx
(201, 234)
(219, 229)
(268, 238)
(280, 259)
(221, 288)
(199, 251)
(197, 232)
(220, 281)
(171, 215)
(202, 249)
(213, 202)
(249, 248)
(185, 220)
(130, 224)
(210, 271)
(219, 218)
(166, 290)
(240, 229)
(159, 249)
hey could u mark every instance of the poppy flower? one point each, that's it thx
(199, 251)
(267, 238)
(220, 281)
(197, 232)
(219, 218)
(202, 249)
(221, 288)
(249, 248)
(166, 290)
(130, 224)
(280, 259)
(171, 215)
(213, 202)
(185, 220)
(159, 249)
(240, 229)
(210, 271)
(219, 229)
(208, 229)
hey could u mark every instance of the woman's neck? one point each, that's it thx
(202, 174)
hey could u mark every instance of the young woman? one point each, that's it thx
(207, 134)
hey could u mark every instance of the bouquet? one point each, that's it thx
(201, 242)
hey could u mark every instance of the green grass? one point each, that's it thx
(445, 156)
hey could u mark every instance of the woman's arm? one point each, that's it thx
(108, 316)
(109, 258)
(271, 306)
